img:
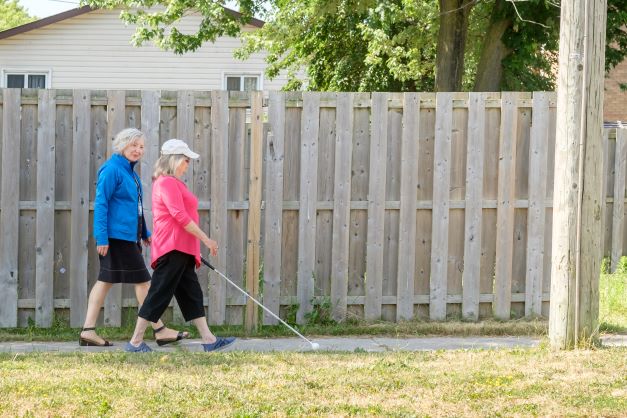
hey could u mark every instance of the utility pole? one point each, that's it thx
(577, 202)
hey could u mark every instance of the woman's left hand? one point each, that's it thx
(147, 241)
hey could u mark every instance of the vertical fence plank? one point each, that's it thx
(376, 206)
(341, 205)
(537, 209)
(116, 115)
(359, 192)
(407, 225)
(607, 222)
(325, 188)
(185, 127)
(474, 207)
(618, 218)
(219, 218)
(150, 128)
(291, 192)
(44, 246)
(308, 203)
(237, 191)
(274, 206)
(440, 219)
(79, 206)
(9, 207)
(254, 209)
(505, 207)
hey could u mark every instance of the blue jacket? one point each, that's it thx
(116, 204)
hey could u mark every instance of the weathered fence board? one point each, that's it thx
(474, 196)
(618, 220)
(407, 228)
(440, 214)
(376, 207)
(219, 232)
(505, 208)
(254, 210)
(537, 198)
(390, 206)
(341, 207)
(308, 199)
(274, 206)
(79, 206)
(44, 245)
(9, 207)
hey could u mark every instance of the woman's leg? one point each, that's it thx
(96, 300)
(140, 328)
(205, 333)
(141, 290)
(165, 278)
(190, 299)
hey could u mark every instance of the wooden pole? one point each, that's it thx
(254, 210)
(577, 222)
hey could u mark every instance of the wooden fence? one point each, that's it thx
(380, 206)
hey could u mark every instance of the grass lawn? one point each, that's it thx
(518, 382)
(442, 383)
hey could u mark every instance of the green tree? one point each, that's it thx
(12, 15)
(392, 45)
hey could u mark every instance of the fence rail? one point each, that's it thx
(380, 206)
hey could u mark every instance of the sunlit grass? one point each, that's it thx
(519, 382)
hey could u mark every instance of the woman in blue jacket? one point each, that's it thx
(119, 228)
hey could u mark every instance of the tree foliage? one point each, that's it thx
(12, 14)
(368, 45)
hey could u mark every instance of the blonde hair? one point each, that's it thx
(126, 137)
(166, 165)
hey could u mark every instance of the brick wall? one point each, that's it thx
(615, 102)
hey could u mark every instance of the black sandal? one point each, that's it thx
(86, 342)
(163, 341)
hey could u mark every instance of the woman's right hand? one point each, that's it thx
(212, 245)
(102, 249)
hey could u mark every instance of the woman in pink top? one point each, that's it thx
(175, 250)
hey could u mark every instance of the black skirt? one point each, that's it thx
(123, 263)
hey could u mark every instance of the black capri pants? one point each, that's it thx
(174, 275)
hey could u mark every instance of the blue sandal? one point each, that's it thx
(143, 348)
(221, 342)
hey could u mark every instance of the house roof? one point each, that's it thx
(82, 10)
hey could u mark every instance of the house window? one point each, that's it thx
(243, 82)
(25, 80)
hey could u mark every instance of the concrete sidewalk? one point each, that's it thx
(350, 344)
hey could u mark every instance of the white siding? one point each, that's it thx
(93, 51)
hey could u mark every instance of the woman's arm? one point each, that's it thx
(105, 187)
(193, 229)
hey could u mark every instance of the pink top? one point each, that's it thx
(173, 207)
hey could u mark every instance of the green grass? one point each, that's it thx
(519, 382)
(613, 301)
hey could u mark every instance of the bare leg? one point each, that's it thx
(206, 335)
(96, 300)
(138, 334)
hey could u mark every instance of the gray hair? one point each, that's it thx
(126, 137)
(167, 164)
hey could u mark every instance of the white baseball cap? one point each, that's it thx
(176, 146)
